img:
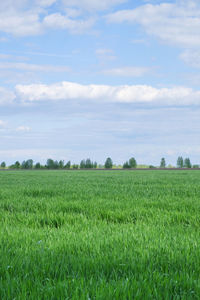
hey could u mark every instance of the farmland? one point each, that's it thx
(99, 235)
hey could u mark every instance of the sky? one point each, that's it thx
(98, 79)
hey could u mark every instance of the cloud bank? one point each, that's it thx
(106, 93)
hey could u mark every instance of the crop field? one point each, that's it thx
(99, 235)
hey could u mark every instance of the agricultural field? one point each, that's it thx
(99, 235)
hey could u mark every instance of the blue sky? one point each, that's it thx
(90, 78)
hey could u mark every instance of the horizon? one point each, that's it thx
(98, 79)
(101, 164)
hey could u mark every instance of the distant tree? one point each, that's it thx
(28, 164)
(23, 164)
(162, 163)
(50, 163)
(126, 165)
(187, 163)
(108, 163)
(17, 165)
(37, 165)
(195, 166)
(132, 162)
(61, 164)
(75, 166)
(88, 163)
(95, 165)
(12, 166)
(152, 167)
(82, 164)
(180, 162)
(3, 164)
(68, 165)
(56, 164)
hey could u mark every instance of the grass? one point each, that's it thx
(99, 235)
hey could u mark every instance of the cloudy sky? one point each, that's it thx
(98, 78)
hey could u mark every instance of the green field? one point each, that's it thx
(99, 235)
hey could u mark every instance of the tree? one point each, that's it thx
(95, 165)
(179, 162)
(132, 162)
(3, 164)
(88, 164)
(56, 164)
(17, 165)
(23, 165)
(74, 166)
(68, 165)
(82, 164)
(187, 163)
(195, 166)
(50, 163)
(28, 164)
(108, 163)
(126, 165)
(37, 165)
(162, 163)
(61, 164)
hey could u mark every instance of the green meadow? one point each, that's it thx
(99, 235)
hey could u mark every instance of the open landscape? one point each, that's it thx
(99, 150)
(99, 235)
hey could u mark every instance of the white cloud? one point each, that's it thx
(103, 51)
(93, 5)
(105, 54)
(191, 58)
(175, 23)
(3, 39)
(6, 96)
(139, 41)
(24, 4)
(127, 71)
(12, 57)
(5, 56)
(25, 18)
(23, 129)
(33, 67)
(121, 94)
(73, 12)
(45, 3)
(2, 124)
(12, 4)
(58, 21)
(20, 24)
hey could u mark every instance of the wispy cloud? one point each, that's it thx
(59, 21)
(33, 67)
(105, 54)
(93, 5)
(23, 129)
(2, 124)
(127, 71)
(6, 96)
(191, 57)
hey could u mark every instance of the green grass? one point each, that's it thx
(99, 235)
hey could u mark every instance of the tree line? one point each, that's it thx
(89, 164)
(181, 163)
